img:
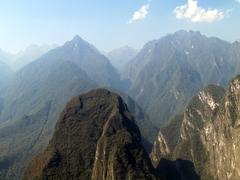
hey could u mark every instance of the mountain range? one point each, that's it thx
(18, 60)
(153, 89)
(167, 72)
(33, 99)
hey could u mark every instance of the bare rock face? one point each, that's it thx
(95, 138)
(186, 139)
(208, 135)
(221, 136)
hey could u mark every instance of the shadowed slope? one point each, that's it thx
(95, 138)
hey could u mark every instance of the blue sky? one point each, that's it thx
(110, 24)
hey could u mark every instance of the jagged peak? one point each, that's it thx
(77, 38)
(77, 42)
(100, 133)
(177, 36)
(184, 32)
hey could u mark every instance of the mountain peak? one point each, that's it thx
(93, 137)
(187, 33)
(77, 38)
(78, 43)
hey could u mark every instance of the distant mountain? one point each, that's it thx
(120, 57)
(95, 138)
(206, 134)
(236, 46)
(30, 54)
(89, 59)
(166, 73)
(5, 57)
(18, 60)
(5, 74)
(42, 77)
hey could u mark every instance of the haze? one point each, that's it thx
(111, 24)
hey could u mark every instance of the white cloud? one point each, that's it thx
(237, 1)
(140, 14)
(194, 13)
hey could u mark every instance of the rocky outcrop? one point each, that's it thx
(95, 138)
(196, 136)
(221, 136)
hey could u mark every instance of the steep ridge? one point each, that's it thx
(168, 72)
(95, 138)
(208, 135)
(148, 130)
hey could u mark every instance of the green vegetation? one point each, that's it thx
(95, 136)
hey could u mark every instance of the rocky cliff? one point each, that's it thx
(95, 138)
(206, 134)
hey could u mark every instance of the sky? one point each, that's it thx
(109, 24)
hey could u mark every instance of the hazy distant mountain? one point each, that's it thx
(96, 65)
(24, 57)
(236, 46)
(5, 73)
(30, 54)
(95, 138)
(120, 57)
(166, 73)
(5, 57)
